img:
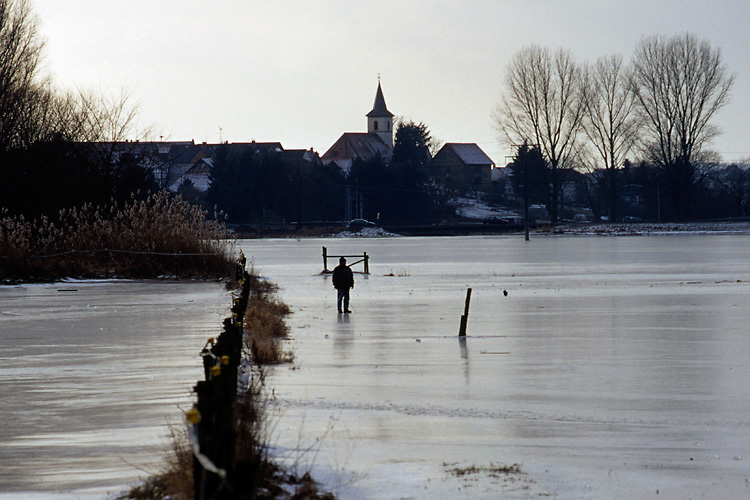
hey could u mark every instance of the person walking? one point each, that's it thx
(343, 280)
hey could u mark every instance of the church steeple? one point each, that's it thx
(380, 120)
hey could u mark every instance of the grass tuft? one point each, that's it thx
(265, 327)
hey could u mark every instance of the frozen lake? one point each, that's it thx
(614, 368)
(91, 375)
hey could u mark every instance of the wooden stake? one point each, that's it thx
(465, 317)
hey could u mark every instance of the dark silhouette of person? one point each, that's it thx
(343, 280)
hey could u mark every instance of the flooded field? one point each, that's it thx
(595, 368)
(613, 367)
(91, 376)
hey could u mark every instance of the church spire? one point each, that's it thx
(379, 109)
(380, 120)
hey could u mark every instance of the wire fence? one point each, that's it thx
(108, 250)
(106, 262)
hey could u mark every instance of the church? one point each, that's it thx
(464, 165)
(365, 145)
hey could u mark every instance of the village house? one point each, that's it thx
(464, 166)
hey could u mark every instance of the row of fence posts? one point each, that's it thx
(213, 436)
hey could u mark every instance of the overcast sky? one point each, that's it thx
(303, 72)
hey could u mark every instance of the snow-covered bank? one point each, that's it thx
(655, 228)
(366, 232)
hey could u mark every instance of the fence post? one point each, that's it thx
(215, 402)
(465, 317)
(367, 263)
(325, 260)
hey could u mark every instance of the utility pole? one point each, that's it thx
(526, 200)
(348, 203)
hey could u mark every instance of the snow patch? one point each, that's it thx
(651, 229)
(366, 232)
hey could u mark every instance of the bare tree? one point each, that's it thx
(679, 84)
(542, 106)
(609, 123)
(20, 86)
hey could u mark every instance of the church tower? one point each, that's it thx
(380, 120)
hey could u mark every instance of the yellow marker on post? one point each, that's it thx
(193, 416)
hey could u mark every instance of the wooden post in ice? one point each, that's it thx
(465, 317)
(325, 260)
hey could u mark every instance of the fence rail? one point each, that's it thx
(107, 250)
(102, 262)
(364, 258)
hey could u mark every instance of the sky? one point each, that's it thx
(302, 72)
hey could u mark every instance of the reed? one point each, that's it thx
(159, 236)
(264, 325)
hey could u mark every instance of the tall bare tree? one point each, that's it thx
(609, 123)
(542, 106)
(20, 85)
(679, 83)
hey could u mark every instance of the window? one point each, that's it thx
(375, 124)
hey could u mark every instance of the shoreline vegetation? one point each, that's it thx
(474, 227)
(159, 236)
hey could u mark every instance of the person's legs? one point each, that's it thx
(340, 298)
(346, 300)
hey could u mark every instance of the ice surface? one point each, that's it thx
(613, 368)
(91, 374)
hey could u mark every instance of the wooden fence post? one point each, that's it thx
(325, 260)
(465, 317)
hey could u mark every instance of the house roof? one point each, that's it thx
(379, 108)
(257, 146)
(468, 153)
(357, 145)
(300, 157)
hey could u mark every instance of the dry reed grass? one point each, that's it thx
(264, 326)
(159, 236)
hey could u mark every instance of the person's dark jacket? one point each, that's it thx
(343, 277)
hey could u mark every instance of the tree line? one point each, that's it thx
(57, 147)
(563, 117)
(259, 187)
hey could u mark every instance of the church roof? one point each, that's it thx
(379, 108)
(358, 145)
